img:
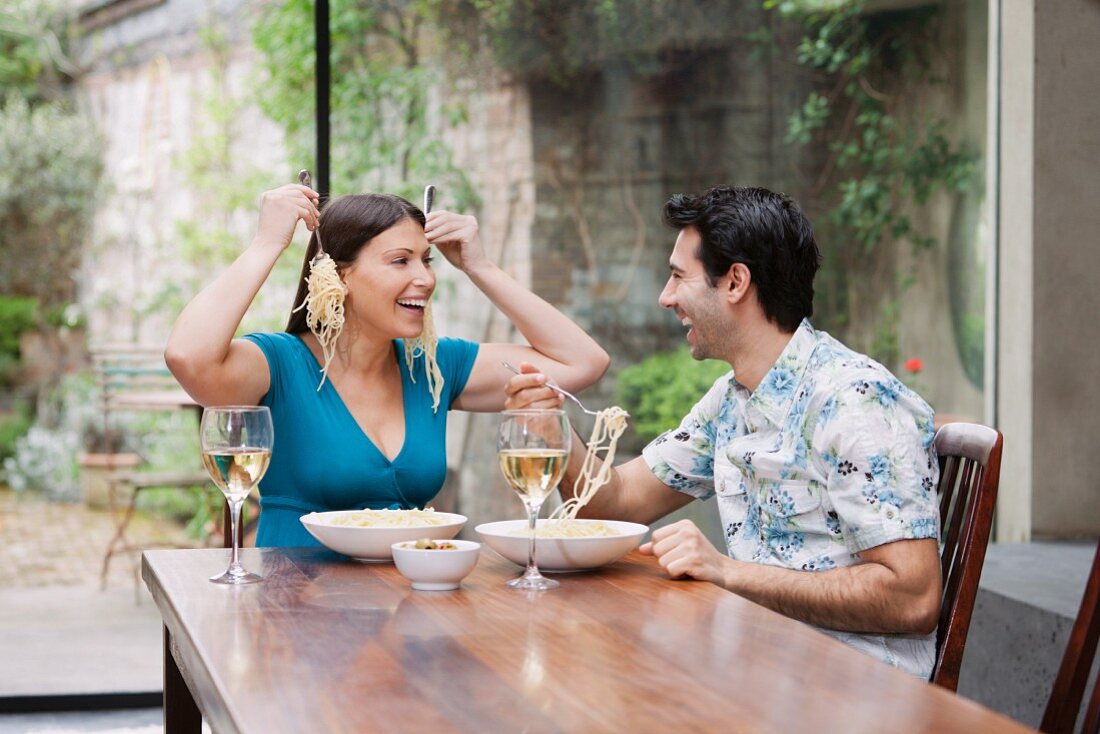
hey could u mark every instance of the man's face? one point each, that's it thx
(697, 304)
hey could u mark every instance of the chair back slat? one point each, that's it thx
(970, 465)
(1069, 686)
(949, 473)
(951, 521)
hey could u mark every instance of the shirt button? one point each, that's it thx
(890, 514)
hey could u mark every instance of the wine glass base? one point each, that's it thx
(236, 578)
(537, 582)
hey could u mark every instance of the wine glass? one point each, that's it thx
(236, 449)
(533, 446)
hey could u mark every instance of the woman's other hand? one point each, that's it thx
(280, 210)
(457, 237)
(528, 390)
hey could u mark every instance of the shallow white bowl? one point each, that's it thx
(435, 570)
(562, 554)
(373, 544)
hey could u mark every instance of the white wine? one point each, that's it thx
(236, 471)
(533, 472)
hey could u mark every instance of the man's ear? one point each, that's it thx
(738, 282)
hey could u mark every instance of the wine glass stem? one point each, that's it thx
(532, 523)
(235, 520)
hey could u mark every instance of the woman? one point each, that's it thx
(365, 431)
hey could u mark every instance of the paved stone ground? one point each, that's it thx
(60, 544)
(51, 606)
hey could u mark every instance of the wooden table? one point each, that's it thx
(330, 645)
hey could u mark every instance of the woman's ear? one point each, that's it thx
(738, 282)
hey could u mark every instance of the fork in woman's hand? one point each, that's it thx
(557, 389)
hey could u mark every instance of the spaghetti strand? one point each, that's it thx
(610, 426)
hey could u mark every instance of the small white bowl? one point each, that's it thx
(436, 570)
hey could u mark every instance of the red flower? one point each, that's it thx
(914, 364)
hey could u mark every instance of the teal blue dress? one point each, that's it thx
(323, 461)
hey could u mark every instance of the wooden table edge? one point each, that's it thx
(187, 680)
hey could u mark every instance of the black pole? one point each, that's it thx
(323, 84)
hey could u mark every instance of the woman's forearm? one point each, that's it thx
(546, 329)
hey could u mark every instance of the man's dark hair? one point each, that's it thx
(762, 229)
(347, 224)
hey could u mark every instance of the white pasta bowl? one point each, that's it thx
(374, 543)
(509, 539)
(438, 569)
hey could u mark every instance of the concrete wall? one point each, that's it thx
(1066, 495)
(1015, 250)
(1047, 356)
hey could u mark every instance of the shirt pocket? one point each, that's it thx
(732, 501)
(792, 521)
(796, 501)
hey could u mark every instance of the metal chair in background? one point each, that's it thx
(134, 379)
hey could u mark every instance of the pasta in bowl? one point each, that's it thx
(584, 545)
(367, 535)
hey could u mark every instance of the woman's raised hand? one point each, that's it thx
(280, 210)
(457, 237)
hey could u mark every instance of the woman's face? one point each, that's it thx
(391, 281)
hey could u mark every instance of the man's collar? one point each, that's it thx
(776, 392)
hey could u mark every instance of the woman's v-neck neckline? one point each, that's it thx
(351, 416)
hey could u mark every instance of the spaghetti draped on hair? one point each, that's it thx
(324, 304)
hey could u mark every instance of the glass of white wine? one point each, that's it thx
(533, 446)
(236, 449)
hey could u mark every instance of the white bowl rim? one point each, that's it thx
(316, 519)
(460, 545)
(628, 529)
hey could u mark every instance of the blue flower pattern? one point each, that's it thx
(829, 456)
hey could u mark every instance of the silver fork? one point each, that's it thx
(557, 389)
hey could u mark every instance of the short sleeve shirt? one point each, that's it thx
(829, 456)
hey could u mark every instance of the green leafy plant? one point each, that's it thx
(56, 154)
(13, 426)
(17, 315)
(52, 155)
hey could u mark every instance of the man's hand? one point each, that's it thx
(683, 550)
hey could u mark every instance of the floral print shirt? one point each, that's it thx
(829, 456)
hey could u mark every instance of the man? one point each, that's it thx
(821, 460)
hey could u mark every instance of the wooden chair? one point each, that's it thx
(970, 467)
(1064, 703)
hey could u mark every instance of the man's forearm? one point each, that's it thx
(867, 597)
